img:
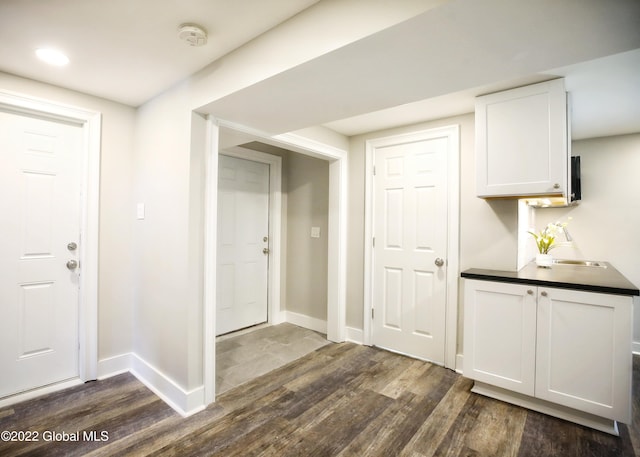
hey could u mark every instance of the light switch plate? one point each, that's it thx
(315, 232)
(140, 211)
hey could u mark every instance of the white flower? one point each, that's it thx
(545, 239)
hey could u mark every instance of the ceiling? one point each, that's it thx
(128, 50)
(427, 67)
(604, 100)
(433, 65)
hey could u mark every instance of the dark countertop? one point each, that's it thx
(592, 279)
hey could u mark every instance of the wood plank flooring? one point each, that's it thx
(340, 400)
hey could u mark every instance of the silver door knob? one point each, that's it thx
(439, 262)
(72, 264)
(72, 246)
(265, 251)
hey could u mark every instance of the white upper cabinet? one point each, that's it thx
(522, 144)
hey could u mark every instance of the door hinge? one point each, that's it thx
(374, 170)
(373, 242)
(372, 313)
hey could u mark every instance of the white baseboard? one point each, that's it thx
(183, 402)
(112, 366)
(355, 335)
(301, 320)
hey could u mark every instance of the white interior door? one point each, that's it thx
(40, 171)
(410, 252)
(243, 244)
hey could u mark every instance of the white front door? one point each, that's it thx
(243, 244)
(40, 181)
(410, 252)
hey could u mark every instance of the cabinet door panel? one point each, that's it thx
(499, 339)
(584, 352)
(522, 145)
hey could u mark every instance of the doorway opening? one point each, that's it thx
(298, 322)
(223, 136)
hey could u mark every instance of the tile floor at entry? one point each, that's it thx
(245, 355)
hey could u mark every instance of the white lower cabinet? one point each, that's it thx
(583, 351)
(560, 351)
(500, 335)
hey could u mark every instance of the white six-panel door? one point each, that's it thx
(410, 252)
(40, 215)
(242, 258)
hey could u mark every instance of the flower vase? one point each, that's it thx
(544, 260)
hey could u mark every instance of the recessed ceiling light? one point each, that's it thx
(52, 56)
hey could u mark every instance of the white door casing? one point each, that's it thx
(243, 237)
(39, 178)
(411, 226)
(88, 123)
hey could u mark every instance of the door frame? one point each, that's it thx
(337, 232)
(274, 315)
(90, 122)
(452, 133)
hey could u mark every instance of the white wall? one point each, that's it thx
(115, 302)
(307, 262)
(163, 300)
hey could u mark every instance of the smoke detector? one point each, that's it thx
(192, 34)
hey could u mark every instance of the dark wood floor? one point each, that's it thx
(341, 400)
